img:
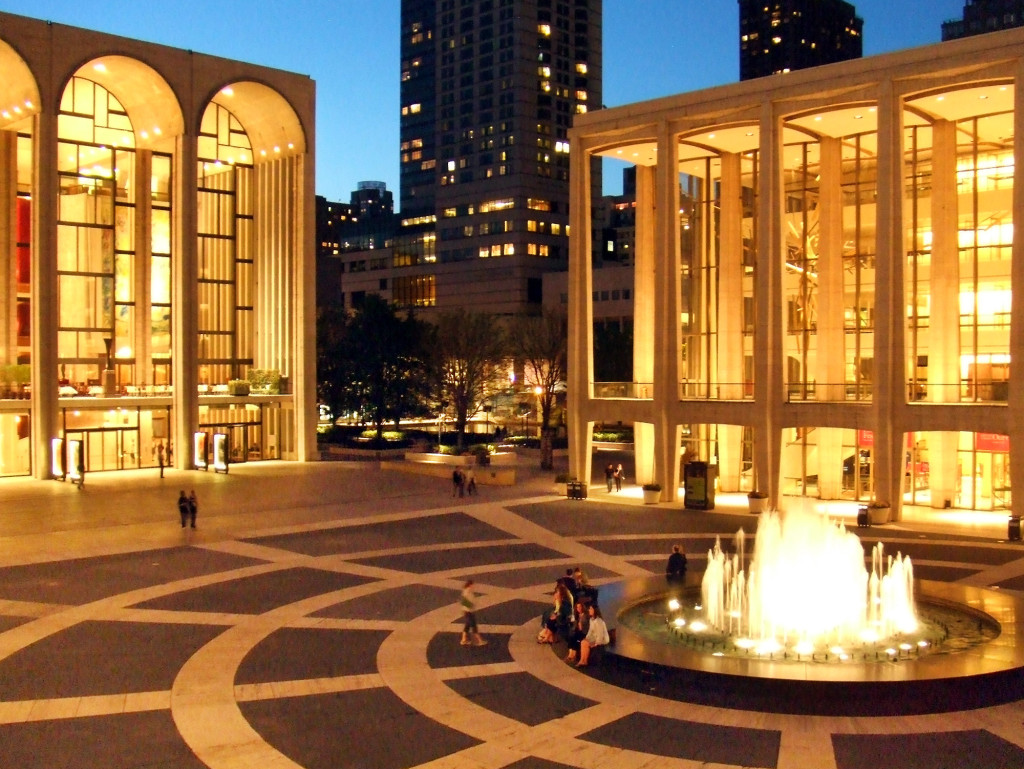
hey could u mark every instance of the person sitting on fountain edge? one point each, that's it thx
(675, 569)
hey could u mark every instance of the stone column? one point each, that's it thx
(729, 318)
(644, 316)
(580, 362)
(830, 335)
(8, 251)
(667, 302)
(890, 359)
(1016, 386)
(944, 322)
(143, 285)
(45, 300)
(185, 308)
(769, 348)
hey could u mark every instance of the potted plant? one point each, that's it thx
(878, 512)
(238, 387)
(757, 500)
(652, 493)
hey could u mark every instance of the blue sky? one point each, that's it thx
(652, 48)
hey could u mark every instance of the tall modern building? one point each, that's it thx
(489, 90)
(156, 243)
(982, 16)
(785, 35)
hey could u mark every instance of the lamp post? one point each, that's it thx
(440, 422)
(487, 415)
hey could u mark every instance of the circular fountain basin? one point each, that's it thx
(986, 673)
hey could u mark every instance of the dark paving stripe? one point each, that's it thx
(512, 612)
(429, 530)
(257, 594)
(352, 730)
(404, 603)
(575, 519)
(543, 576)
(292, 654)
(129, 741)
(425, 563)
(938, 750)
(445, 651)
(941, 573)
(1017, 583)
(695, 548)
(6, 623)
(102, 658)
(966, 552)
(706, 743)
(521, 697)
(532, 762)
(84, 580)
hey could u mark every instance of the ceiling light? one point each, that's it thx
(99, 66)
(227, 91)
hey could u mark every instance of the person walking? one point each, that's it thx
(619, 473)
(470, 631)
(183, 508)
(470, 482)
(456, 482)
(609, 476)
(193, 507)
(160, 457)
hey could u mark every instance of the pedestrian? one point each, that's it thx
(456, 482)
(470, 482)
(193, 507)
(470, 631)
(183, 508)
(609, 476)
(160, 457)
(619, 473)
(675, 569)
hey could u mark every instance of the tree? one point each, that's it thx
(331, 323)
(470, 357)
(540, 343)
(381, 367)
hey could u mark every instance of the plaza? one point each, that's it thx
(312, 620)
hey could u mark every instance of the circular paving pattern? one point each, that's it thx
(337, 645)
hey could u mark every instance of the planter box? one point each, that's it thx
(757, 504)
(652, 496)
(878, 515)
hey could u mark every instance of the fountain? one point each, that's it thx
(807, 586)
(810, 627)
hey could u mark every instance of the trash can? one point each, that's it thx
(699, 486)
(1013, 529)
(576, 490)
(862, 516)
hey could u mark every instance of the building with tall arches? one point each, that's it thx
(156, 247)
(824, 269)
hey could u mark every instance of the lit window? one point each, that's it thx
(581, 67)
(544, 29)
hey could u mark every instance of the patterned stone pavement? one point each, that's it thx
(312, 621)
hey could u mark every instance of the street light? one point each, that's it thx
(539, 391)
(440, 422)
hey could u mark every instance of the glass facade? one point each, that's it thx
(135, 287)
(845, 276)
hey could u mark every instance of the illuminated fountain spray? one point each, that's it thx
(807, 588)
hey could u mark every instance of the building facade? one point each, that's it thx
(156, 242)
(824, 272)
(784, 35)
(489, 90)
(982, 16)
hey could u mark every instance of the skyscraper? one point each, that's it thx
(984, 16)
(489, 91)
(782, 35)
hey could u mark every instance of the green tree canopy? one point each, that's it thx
(471, 360)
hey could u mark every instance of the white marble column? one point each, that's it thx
(45, 306)
(580, 361)
(829, 361)
(185, 308)
(644, 315)
(944, 321)
(729, 318)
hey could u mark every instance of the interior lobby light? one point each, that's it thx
(227, 91)
(99, 66)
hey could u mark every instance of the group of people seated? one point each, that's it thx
(575, 616)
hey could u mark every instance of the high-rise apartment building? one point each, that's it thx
(782, 35)
(489, 91)
(984, 16)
